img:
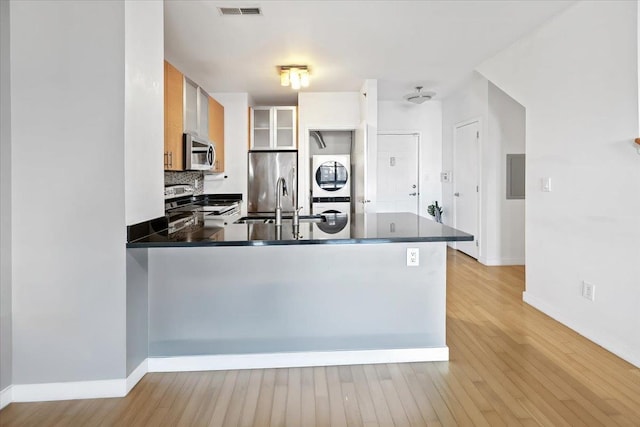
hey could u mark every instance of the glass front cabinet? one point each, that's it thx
(273, 128)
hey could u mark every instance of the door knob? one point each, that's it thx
(412, 194)
(456, 194)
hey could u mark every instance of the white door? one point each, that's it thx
(397, 173)
(466, 184)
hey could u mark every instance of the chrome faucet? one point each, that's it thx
(279, 193)
(293, 179)
(296, 216)
(295, 223)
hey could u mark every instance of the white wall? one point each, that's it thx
(507, 135)
(5, 202)
(339, 109)
(469, 102)
(577, 77)
(144, 111)
(426, 119)
(369, 166)
(337, 141)
(502, 122)
(326, 110)
(67, 130)
(369, 102)
(236, 145)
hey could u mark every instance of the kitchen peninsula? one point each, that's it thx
(248, 294)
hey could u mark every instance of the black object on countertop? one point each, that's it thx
(145, 228)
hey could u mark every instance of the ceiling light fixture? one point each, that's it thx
(418, 97)
(296, 76)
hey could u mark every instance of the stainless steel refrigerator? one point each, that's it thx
(265, 167)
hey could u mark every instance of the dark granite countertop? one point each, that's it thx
(209, 230)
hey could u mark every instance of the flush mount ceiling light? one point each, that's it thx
(418, 97)
(296, 76)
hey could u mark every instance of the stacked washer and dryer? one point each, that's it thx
(331, 194)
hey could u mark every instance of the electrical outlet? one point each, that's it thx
(589, 291)
(413, 257)
(197, 182)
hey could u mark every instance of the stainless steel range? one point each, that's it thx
(179, 190)
(201, 210)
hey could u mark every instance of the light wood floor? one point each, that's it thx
(510, 365)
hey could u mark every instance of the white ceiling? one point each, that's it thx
(403, 44)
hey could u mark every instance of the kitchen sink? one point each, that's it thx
(270, 219)
(252, 220)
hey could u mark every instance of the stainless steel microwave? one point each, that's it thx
(199, 153)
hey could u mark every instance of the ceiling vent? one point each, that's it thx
(240, 11)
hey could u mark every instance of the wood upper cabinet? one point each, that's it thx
(173, 118)
(216, 132)
(188, 108)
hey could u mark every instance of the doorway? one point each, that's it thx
(397, 173)
(466, 185)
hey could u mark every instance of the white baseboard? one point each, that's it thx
(295, 359)
(74, 390)
(137, 375)
(491, 262)
(120, 387)
(6, 397)
(68, 390)
(617, 348)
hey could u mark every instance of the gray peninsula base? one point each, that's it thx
(299, 305)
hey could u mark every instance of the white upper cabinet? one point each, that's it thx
(261, 128)
(273, 128)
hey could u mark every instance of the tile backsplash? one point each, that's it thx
(188, 177)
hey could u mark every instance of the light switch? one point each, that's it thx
(546, 185)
